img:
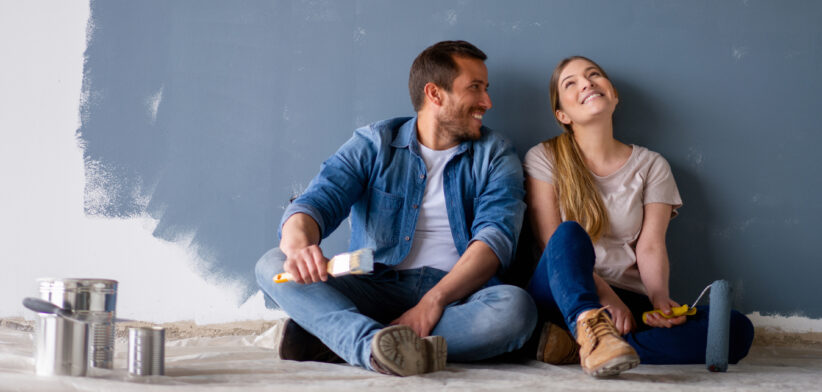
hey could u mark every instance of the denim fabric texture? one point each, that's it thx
(346, 312)
(379, 177)
(563, 286)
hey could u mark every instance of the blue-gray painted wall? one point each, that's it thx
(256, 94)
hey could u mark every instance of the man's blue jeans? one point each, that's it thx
(563, 284)
(346, 312)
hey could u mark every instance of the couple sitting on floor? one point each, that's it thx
(441, 200)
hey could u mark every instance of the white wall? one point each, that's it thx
(43, 230)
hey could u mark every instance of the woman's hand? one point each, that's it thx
(620, 314)
(664, 304)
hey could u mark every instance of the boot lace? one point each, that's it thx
(598, 325)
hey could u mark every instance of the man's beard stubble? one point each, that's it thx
(453, 124)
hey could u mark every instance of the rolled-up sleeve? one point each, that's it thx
(500, 207)
(338, 185)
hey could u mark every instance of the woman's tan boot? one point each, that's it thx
(603, 352)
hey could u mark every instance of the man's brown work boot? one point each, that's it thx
(557, 346)
(297, 344)
(603, 352)
(398, 351)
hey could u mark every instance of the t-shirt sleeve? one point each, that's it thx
(537, 164)
(660, 186)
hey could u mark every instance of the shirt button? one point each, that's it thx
(422, 176)
(414, 206)
(407, 238)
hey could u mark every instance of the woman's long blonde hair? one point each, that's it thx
(578, 195)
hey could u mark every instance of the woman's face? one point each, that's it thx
(585, 94)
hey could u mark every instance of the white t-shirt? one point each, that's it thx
(433, 244)
(643, 179)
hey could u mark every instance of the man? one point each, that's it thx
(439, 199)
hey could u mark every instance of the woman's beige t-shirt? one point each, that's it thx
(643, 179)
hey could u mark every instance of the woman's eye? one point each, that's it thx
(569, 84)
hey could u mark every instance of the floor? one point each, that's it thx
(241, 356)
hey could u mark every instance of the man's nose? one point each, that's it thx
(485, 102)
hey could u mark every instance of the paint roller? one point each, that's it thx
(719, 319)
(719, 327)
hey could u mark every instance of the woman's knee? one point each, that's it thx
(569, 244)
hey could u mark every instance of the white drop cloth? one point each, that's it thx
(249, 363)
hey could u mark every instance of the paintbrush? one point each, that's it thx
(357, 262)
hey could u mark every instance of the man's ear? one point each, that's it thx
(562, 117)
(433, 93)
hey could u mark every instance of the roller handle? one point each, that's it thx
(683, 310)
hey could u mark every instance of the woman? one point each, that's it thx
(599, 210)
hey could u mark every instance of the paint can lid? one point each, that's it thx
(106, 286)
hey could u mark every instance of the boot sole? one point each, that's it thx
(400, 350)
(437, 352)
(614, 366)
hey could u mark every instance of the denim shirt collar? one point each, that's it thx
(407, 138)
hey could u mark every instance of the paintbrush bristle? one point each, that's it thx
(357, 262)
(362, 261)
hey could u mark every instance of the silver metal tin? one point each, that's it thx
(146, 351)
(61, 346)
(91, 300)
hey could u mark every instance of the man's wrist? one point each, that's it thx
(434, 297)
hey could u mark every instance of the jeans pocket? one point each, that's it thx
(383, 220)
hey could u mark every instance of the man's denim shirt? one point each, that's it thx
(379, 176)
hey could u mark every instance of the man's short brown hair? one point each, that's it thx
(436, 65)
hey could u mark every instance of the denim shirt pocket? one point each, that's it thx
(383, 221)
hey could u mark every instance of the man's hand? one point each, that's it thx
(307, 265)
(421, 318)
(664, 304)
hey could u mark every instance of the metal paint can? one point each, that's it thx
(93, 301)
(146, 351)
(61, 346)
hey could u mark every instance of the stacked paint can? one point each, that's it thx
(63, 343)
(146, 351)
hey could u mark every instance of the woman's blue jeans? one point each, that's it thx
(563, 286)
(346, 312)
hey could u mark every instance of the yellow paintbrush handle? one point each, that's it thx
(683, 310)
(283, 277)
